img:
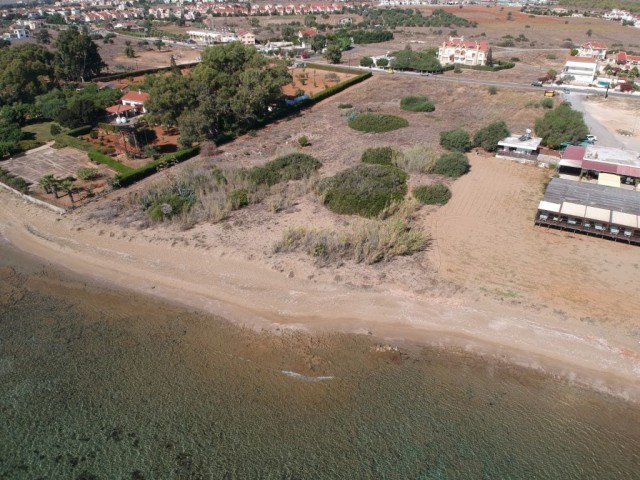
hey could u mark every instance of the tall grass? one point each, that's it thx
(389, 235)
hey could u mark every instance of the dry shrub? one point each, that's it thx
(416, 159)
(366, 241)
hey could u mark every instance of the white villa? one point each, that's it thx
(582, 69)
(210, 37)
(464, 52)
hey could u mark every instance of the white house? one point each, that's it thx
(20, 33)
(246, 37)
(464, 52)
(593, 49)
(135, 100)
(582, 69)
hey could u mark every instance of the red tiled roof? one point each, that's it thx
(308, 32)
(469, 44)
(621, 56)
(139, 97)
(119, 108)
(243, 32)
(594, 45)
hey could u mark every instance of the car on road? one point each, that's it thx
(536, 84)
(592, 138)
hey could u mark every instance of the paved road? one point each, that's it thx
(605, 137)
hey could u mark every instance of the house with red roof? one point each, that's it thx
(464, 52)
(593, 49)
(246, 37)
(135, 100)
(626, 61)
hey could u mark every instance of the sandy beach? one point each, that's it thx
(251, 293)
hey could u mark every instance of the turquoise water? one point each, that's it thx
(101, 384)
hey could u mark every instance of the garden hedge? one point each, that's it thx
(126, 179)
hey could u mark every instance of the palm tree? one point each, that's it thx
(46, 182)
(66, 185)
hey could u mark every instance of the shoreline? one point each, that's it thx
(252, 295)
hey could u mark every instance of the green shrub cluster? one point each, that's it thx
(378, 156)
(166, 201)
(371, 36)
(363, 190)
(457, 140)
(13, 181)
(289, 167)
(438, 194)
(85, 173)
(377, 122)
(345, 105)
(238, 198)
(562, 124)
(417, 104)
(454, 164)
(489, 136)
(29, 144)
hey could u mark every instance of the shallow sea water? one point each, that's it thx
(101, 384)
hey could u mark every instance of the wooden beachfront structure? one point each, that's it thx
(598, 210)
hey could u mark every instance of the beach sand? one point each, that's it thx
(252, 293)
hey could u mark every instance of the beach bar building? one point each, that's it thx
(598, 210)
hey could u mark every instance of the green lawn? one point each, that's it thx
(42, 131)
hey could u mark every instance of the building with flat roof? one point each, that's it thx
(597, 159)
(520, 147)
(598, 210)
(582, 70)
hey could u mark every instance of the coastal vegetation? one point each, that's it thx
(417, 104)
(378, 156)
(390, 234)
(457, 140)
(438, 194)
(364, 190)
(377, 122)
(454, 164)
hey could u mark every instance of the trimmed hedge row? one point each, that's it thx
(99, 157)
(65, 140)
(126, 179)
(496, 67)
(326, 93)
(76, 132)
(332, 68)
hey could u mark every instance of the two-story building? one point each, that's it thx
(580, 70)
(246, 37)
(464, 52)
(594, 49)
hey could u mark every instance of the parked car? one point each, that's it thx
(536, 84)
(592, 138)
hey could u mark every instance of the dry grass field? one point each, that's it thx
(483, 242)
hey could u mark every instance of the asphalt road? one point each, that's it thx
(604, 136)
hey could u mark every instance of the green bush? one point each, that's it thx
(55, 129)
(303, 141)
(453, 164)
(493, 90)
(437, 194)
(363, 190)
(377, 122)
(457, 140)
(238, 198)
(289, 167)
(29, 144)
(489, 136)
(76, 132)
(345, 105)
(87, 173)
(547, 103)
(562, 124)
(417, 104)
(378, 156)
(13, 181)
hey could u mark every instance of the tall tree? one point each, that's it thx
(25, 72)
(333, 54)
(77, 57)
(43, 36)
